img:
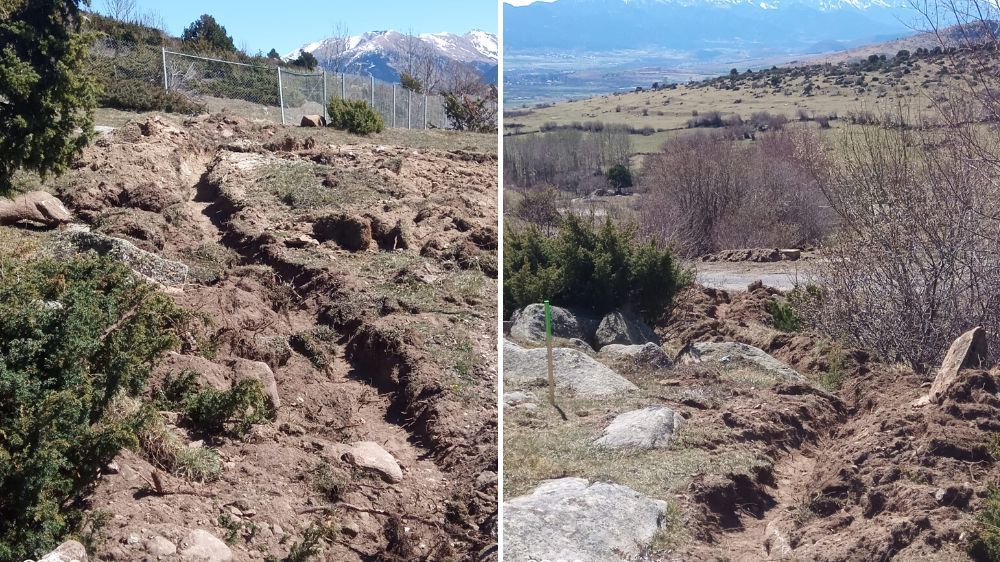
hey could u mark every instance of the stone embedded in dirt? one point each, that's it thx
(528, 324)
(649, 428)
(69, 551)
(577, 343)
(574, 371)
(246, 369)
(725, 352)
(35, 206)
(147, 264)
(370, 455)
(353, 233)
(160, 546)
(518, 398)
(313, 121)
(571, 519)
(301, 241)
(968, 350)
(956, 496)
(202, 546)
(646, 354)
(621, 328)
(776, 541)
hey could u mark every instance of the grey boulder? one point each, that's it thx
(647, 353)
(202, 546)
(528, 324)
(728, 352)
(572, 519)
(69, 551)
(574, 371)
(621, 328)
(648, 428)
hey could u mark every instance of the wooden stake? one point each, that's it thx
(548, 345)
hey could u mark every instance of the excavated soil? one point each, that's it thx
(365, 277)
(858, 473)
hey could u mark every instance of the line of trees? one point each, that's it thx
(569, 159)
(704, 193)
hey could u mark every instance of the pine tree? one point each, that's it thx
(207, 31)
(46, 98)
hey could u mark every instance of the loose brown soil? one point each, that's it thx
(383, 332)
(856, 474)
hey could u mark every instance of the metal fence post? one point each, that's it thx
(373, 89)
(343, 85)
(393, 106)
(409, 105)
(166, 82)
(425, 112)
(281, 97)
(326, 100)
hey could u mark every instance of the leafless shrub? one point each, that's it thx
(564, 157)
(766, 121)
(539, 206)
(917, 261)
(707, 119)
(706, 194)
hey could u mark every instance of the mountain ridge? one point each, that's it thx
(382, 53)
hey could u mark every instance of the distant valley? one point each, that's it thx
(578, 48)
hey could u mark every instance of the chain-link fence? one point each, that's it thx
(263, 91)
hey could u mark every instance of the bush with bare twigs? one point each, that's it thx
(705, 194)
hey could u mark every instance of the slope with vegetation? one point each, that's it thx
(243, 341)
(850, 417)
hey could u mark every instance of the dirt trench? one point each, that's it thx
(859, 474)
(355, 367)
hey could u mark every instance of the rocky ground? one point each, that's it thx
(719, 437)
(358, 282)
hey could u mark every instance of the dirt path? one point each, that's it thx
(792, 475)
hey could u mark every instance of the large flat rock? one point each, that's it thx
(575, 371)
(649, 428)
(572, 519)
(727, 352)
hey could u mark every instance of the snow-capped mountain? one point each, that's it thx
(385, 54)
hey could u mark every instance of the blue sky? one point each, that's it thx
(286, 25)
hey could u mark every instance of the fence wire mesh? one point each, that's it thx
(257, 91)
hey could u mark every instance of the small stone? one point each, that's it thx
(648, 428)
(202, 546)
(112, 468)
(350, 529)
(133, 540)
(370, 455)
(966, 351)
(160, 546)
(301, 241)
(69, 551)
